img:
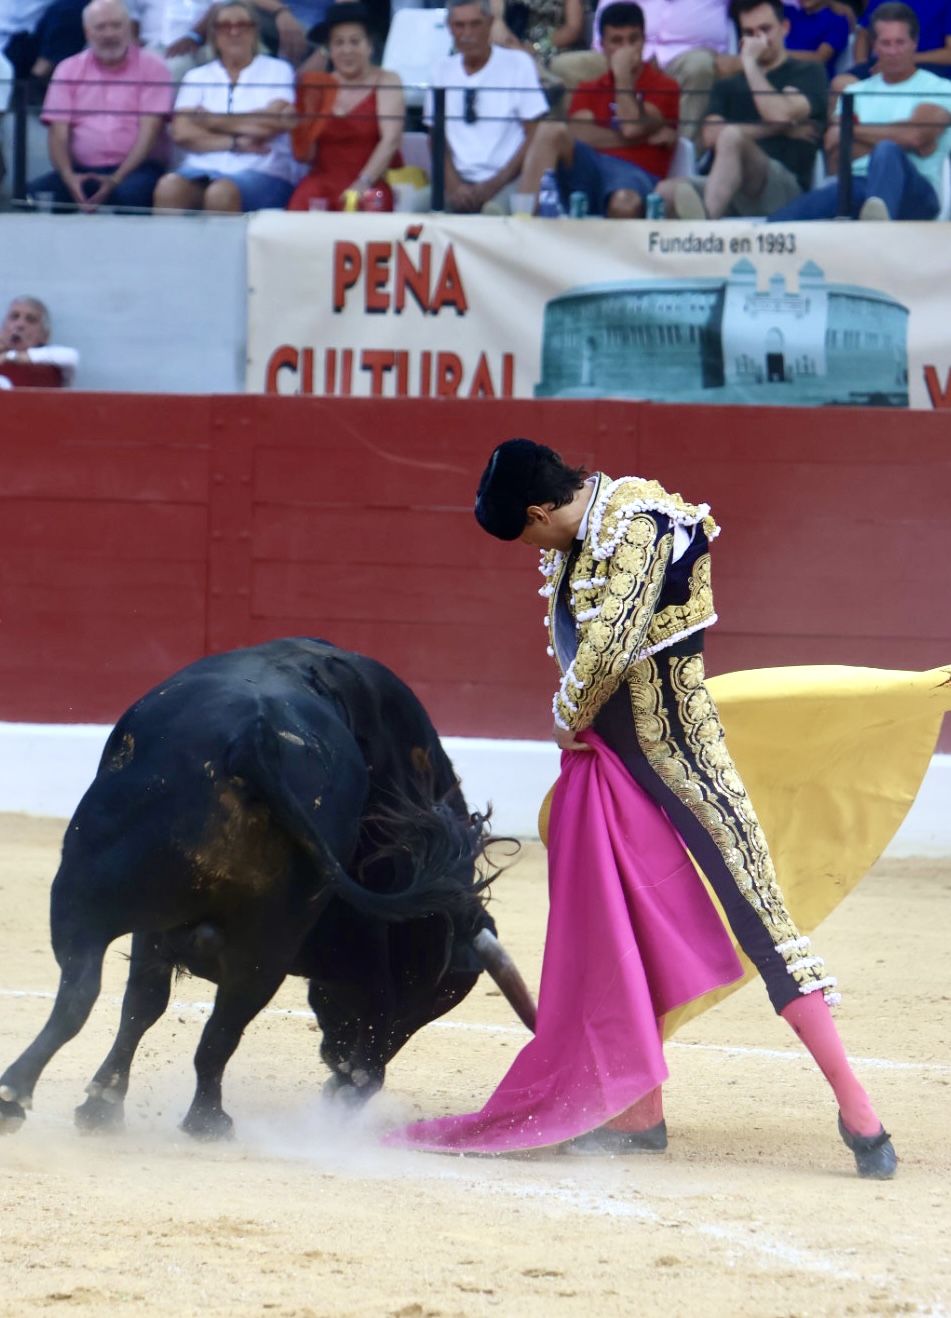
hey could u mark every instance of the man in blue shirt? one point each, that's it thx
(816, 33)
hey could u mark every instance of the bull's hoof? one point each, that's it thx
(208, 1125)
(98, 1116)
(341, 1090)
(12, 1116)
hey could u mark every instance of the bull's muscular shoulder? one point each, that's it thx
(620, 502)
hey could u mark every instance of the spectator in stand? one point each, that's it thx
(105, 110)
(24, 339)
(688, 39)
(177, 30)
(6, 91)
(36, 35)
(934, 39)
(620, 136)
(816, 32)
(763, 128)
(901, 135)
(231, 120)
(542, 28)
(284, 29)
(290, 29)
(350, 122)
(493, 102)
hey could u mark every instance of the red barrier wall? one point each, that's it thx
(137, 533)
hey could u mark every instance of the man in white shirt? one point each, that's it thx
(493, 102)
(24, 339)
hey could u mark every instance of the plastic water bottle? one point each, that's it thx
(549, 198)
(653, 206)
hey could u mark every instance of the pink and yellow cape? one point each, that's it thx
(833, 758)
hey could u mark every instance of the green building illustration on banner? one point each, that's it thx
(727, 341)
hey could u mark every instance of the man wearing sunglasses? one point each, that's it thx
(493, 102)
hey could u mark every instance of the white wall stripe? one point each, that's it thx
(45, 768)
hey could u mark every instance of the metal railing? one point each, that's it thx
(20, 109)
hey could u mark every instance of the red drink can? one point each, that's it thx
(375, 199)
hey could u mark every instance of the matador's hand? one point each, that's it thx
(567, 741)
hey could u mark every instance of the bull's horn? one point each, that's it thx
(505, 973)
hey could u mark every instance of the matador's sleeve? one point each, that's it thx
(619, 603)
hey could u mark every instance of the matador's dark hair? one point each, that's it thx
(521, 473)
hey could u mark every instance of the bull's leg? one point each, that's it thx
(80, 979)
(146, 997)
(351, 1047)
(237, 1002)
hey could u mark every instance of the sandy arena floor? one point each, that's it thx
(754, 1210)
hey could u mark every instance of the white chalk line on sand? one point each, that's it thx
(477, 1027)
(751, 1240)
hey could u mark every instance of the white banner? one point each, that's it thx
(435, 306)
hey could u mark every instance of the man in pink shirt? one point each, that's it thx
(685, 38)
(106, 109)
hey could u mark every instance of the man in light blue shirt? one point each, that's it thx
(902, 133)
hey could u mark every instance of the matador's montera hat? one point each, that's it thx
(508, 486)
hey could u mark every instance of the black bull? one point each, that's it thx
(282, 810)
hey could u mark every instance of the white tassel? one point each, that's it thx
(626, 513)
(805, 963)
(792, 945)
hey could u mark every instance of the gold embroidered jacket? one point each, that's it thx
(620, 598)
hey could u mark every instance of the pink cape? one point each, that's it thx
(632, 934)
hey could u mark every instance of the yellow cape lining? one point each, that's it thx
(832, 758)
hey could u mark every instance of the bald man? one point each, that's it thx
(25, 338)
(106, 110)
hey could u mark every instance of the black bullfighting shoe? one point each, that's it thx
(607, 1141)
(875, 1155)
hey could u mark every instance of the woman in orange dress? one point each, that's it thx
(349, 122)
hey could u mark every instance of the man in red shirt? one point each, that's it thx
(621, 129)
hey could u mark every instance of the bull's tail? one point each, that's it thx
(439, 847)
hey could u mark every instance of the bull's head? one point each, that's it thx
(375, 982)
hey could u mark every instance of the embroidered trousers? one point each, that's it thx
(664, 725)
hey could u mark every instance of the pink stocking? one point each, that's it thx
(810, 1017)
(642, 1115)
